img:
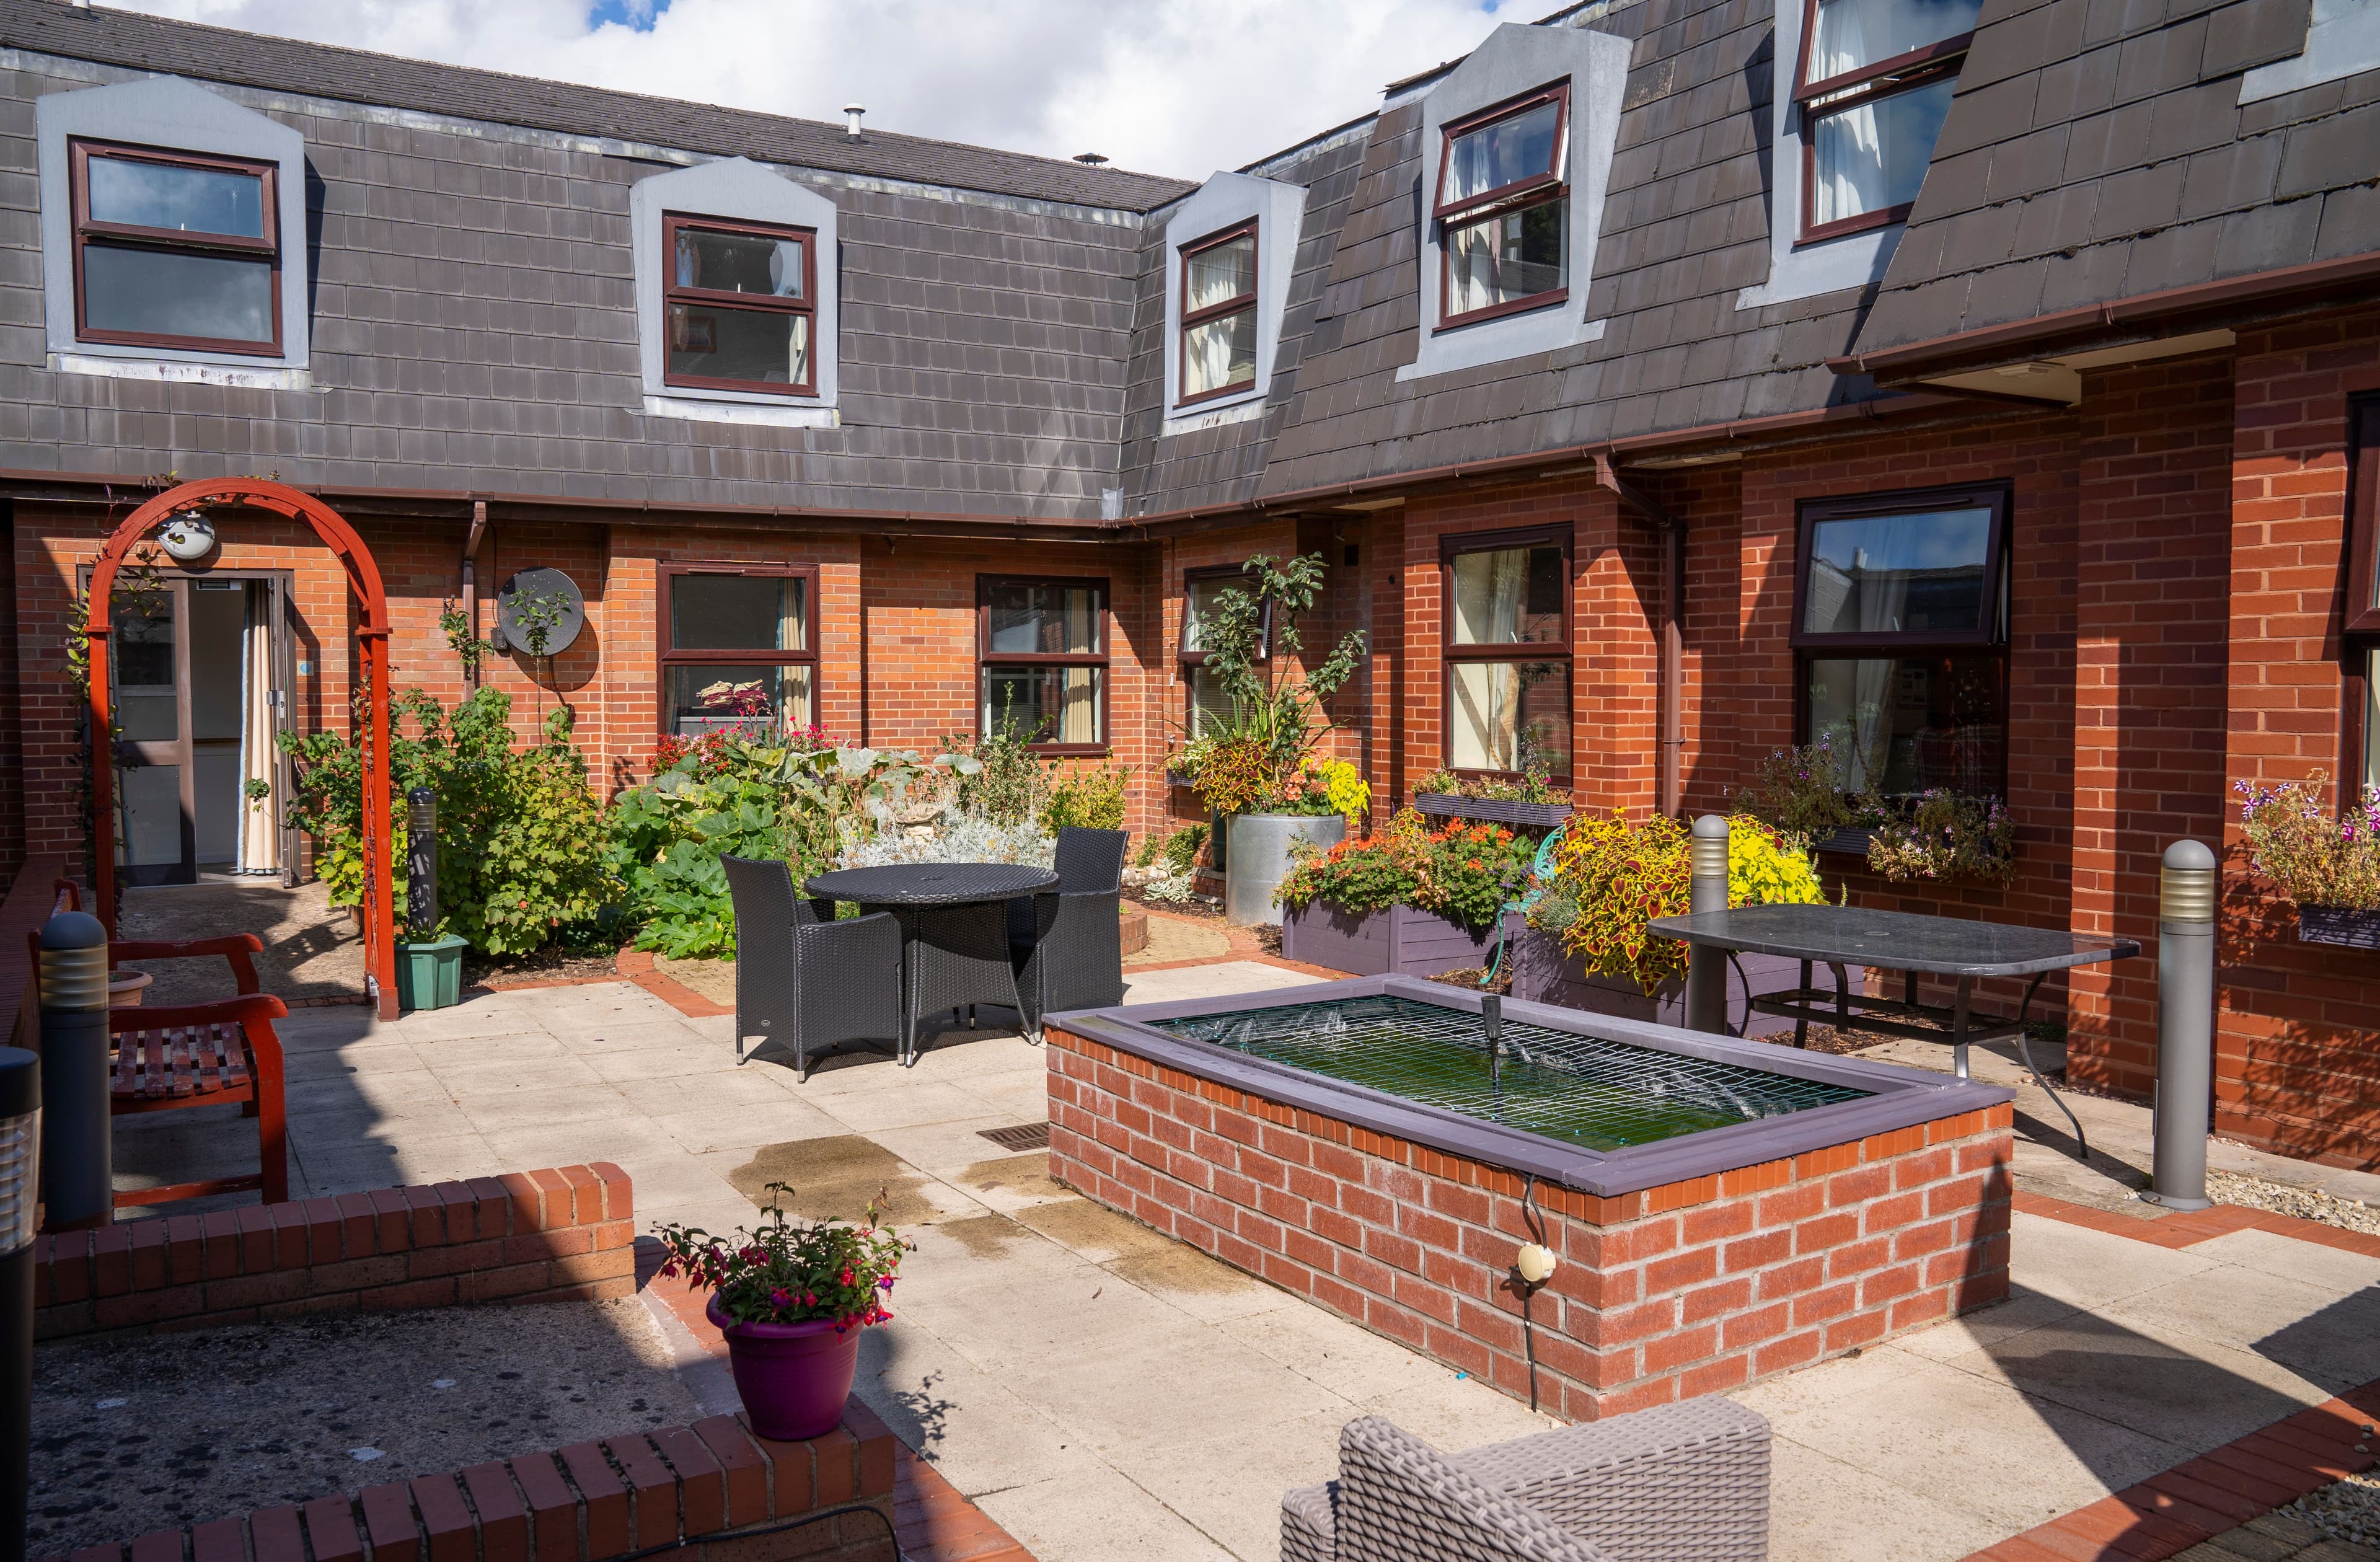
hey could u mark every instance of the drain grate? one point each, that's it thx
(1025, 1136)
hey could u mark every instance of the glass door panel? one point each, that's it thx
(148, 670)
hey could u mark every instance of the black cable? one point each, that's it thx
(782, 1525)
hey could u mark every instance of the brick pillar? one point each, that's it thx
(2152, 576)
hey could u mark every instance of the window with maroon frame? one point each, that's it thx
(1874, 82)
(738, 649)
(1900, 639)
(1507, 600)
(1041, 654)
(2359, 763)
(176, 250)
(1503, 208)
(1219, 315)
(739, 305)
(1206, 703)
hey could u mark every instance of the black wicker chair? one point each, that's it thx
(1065, 943)
(802, 978)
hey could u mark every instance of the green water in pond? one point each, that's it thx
(1587, 1091)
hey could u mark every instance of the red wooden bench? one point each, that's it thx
(199, 1055)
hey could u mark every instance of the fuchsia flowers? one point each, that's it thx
(791, 1271)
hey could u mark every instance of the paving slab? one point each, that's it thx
(1101, 1391)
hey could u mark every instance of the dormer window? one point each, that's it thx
(1218, 314)
(739, 305)
(1874, 82)
(1503, 208)
(176, 250)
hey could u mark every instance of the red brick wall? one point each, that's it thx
(2152, 577)
(2297, 1032)
(588, 1502)
(1695, 1288)
(557, 1235)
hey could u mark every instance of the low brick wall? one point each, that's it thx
(1688, 1289)
(557, 1235)
(582, 1504)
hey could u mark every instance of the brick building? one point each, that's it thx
(1992, 377)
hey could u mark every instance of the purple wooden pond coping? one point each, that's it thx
(1898, 1098)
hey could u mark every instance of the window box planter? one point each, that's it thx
(1850, 840)
(1529, 815)
(2343, 925)
(1544, 974)
(1399, 940)
(1258, 859)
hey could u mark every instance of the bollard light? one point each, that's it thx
(1706, 964)
(78, 1140)
(422, 861)
(2186, 894)
(20, 1156)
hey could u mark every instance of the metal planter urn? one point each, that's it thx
(1258, 859)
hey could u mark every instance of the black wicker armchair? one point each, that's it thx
(803, 979)
(1065, 943)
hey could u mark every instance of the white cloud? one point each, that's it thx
(1179, 87)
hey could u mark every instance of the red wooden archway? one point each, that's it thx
(363, 578)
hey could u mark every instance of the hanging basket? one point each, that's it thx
(2346, 926)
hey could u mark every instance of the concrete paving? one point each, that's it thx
(1103, 1392)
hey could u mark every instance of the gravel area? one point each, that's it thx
(132, 1435)
(2349, 1509)
(2306, 1203)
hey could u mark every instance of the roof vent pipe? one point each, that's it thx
(852, 112)
(1090, 159)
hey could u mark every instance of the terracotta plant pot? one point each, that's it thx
(794, 1378)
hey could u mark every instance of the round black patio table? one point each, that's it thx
(953, 920)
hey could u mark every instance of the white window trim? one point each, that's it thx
(736, 189)
(1227, 201)
(173, 115)
(1829, 266)
(1513, 60)
(2342, 39)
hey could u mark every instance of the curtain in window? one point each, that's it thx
(1078, 711)
(1490, 591)
(1487, 715)
(2371, 721)
(1847, 148)
(260, 837)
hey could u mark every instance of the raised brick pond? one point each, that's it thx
(1723, 1210)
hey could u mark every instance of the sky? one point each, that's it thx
(1177, 87)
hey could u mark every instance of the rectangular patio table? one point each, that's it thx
(1837, 937)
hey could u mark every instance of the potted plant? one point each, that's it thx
(1530, 801)
(1257, 768)
(1409, 900)
(791, 1298)
(1944, 835)
(1799, 793)
(2329, 868)
(1587, 947)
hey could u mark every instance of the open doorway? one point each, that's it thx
(200, 686)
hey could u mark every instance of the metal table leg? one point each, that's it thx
(1959, 1025)
(1842, 997)
(2024, 1050)
(1800, 1022)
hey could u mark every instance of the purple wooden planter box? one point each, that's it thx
(1399, 940)
(1530, 815)
(1542, 973)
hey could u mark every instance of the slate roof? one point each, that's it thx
(248, 59)
(2097, 150)
(1685, 228)
(476, 330)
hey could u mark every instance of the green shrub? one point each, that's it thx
(522, 850)
(1008, 783)
(1088, 799)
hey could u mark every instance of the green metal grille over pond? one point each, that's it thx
(1585, 1091)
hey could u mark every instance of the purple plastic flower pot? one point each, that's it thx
(794, 1377)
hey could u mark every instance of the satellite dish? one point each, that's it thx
(538, 602)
